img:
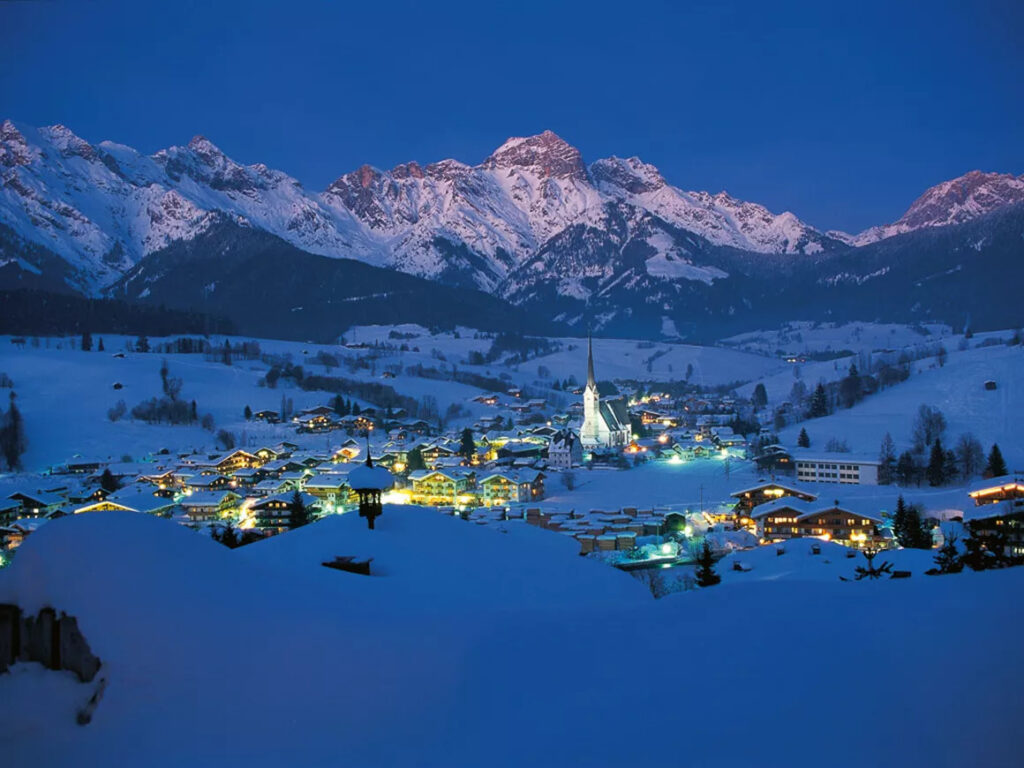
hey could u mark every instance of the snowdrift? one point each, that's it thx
(474, 647)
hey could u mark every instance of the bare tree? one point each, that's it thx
(929, 425)
(569, 479)
(970, 456)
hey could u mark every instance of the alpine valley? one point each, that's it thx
(531, 239)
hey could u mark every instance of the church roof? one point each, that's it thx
(591, 381)
(615, 412)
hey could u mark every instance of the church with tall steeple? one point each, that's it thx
(605, 420)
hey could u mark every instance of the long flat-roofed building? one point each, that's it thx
(843, 468)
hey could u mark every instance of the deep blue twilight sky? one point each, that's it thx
(840, 112)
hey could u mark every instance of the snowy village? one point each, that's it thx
(683, 465)
(461, 385)
(483, 472)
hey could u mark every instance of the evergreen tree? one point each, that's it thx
(949, 466)
(414, 459)
(299, 512)
(936, 471)
(142, 344)
(907, 469)
(108, 482)
(100, 347)
(985, 552)
(706, 576)
(355, 409)
(899, 522)
(284, 407)
(13, 442)
(948, 559)
(86, 341)
(760, 397)
(338, 404)
(996, 466)
(247, 413)
(908, 528)
(467, 448)
(193, 412)
(227, 535)
(803, 439)
(819, 403)
(227, 352)
(849, 387)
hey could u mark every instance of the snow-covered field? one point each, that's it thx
(496, 644)
(957, 389)
(708, 484)
(798, 338)
(65, 394)
(614, 358)
(480, 647)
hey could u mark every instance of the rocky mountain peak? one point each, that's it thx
(547, 154)
(365, 176)
(631, 175)
(955, 201)
(411, 170)
(69, 145)
(446, 169)
(14, 150)
(966, 197)
(206, 150)
(357, 191)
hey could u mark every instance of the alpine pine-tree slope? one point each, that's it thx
(611, 245)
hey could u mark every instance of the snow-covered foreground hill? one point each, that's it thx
(478, 647)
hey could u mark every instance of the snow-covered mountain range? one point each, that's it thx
(955, 201)
(532, 224)
(104, 207)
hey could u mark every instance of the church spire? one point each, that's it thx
(590, 362)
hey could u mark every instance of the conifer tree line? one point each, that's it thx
(344, 407)
(871, 373)
(909, 528)
(981, 551)
(932, 459)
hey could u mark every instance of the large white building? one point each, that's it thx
(844, 468)
(605, 421)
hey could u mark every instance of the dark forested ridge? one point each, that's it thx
(252, 282)
(269, 288)
(33, 312)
